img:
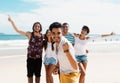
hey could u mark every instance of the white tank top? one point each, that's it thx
(80, 45)
(49, 52)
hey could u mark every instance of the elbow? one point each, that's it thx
(18, 31)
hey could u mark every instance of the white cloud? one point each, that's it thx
(101, 17)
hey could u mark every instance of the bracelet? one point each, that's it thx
(66, 51)
(57, 66)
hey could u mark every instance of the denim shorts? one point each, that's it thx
(49, 61)
(81, 58)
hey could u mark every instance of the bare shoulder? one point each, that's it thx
(76, 35)
(28, 34)
(43, 35)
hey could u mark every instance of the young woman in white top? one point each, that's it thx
(50, 58)
(80, 49)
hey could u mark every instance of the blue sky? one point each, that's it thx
(16, 6)
(101, 16)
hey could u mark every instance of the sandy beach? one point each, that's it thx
(103, 64)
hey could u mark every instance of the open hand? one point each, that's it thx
(112, 33)
(9, 18)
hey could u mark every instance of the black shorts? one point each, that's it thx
(34, 67)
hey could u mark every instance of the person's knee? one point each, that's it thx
(49, 73)
(30, 75)
(37, 75)
(83, 73)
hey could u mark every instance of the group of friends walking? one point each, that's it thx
(65, 53)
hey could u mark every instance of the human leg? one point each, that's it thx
(46, 69)
(82, 67)
(85, 66)
(30, 79)
(38, 66)
(37, 79)
(50, 71)
(82, 63)
(30, 70)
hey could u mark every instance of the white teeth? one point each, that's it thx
(56, 38)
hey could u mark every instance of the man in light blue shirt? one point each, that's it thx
(69, 36)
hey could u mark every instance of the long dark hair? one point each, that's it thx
(45, 42)
(35, 24)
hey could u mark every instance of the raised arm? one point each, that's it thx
(16, 28)
(106, 35)
(100, 36)
(69, 56)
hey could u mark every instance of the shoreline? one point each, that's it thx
(94, 47)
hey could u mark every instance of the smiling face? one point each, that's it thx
(48, 34)
(37, 27)
(57, 34)
(84, 32)
(65, 28)
(56, 31)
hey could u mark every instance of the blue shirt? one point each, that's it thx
(70, 38)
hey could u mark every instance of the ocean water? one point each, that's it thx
(17, 44)
(12, 37)
(11, 45)
(4, 37)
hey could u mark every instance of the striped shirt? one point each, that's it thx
(70, 38)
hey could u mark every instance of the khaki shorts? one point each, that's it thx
(69, 78)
